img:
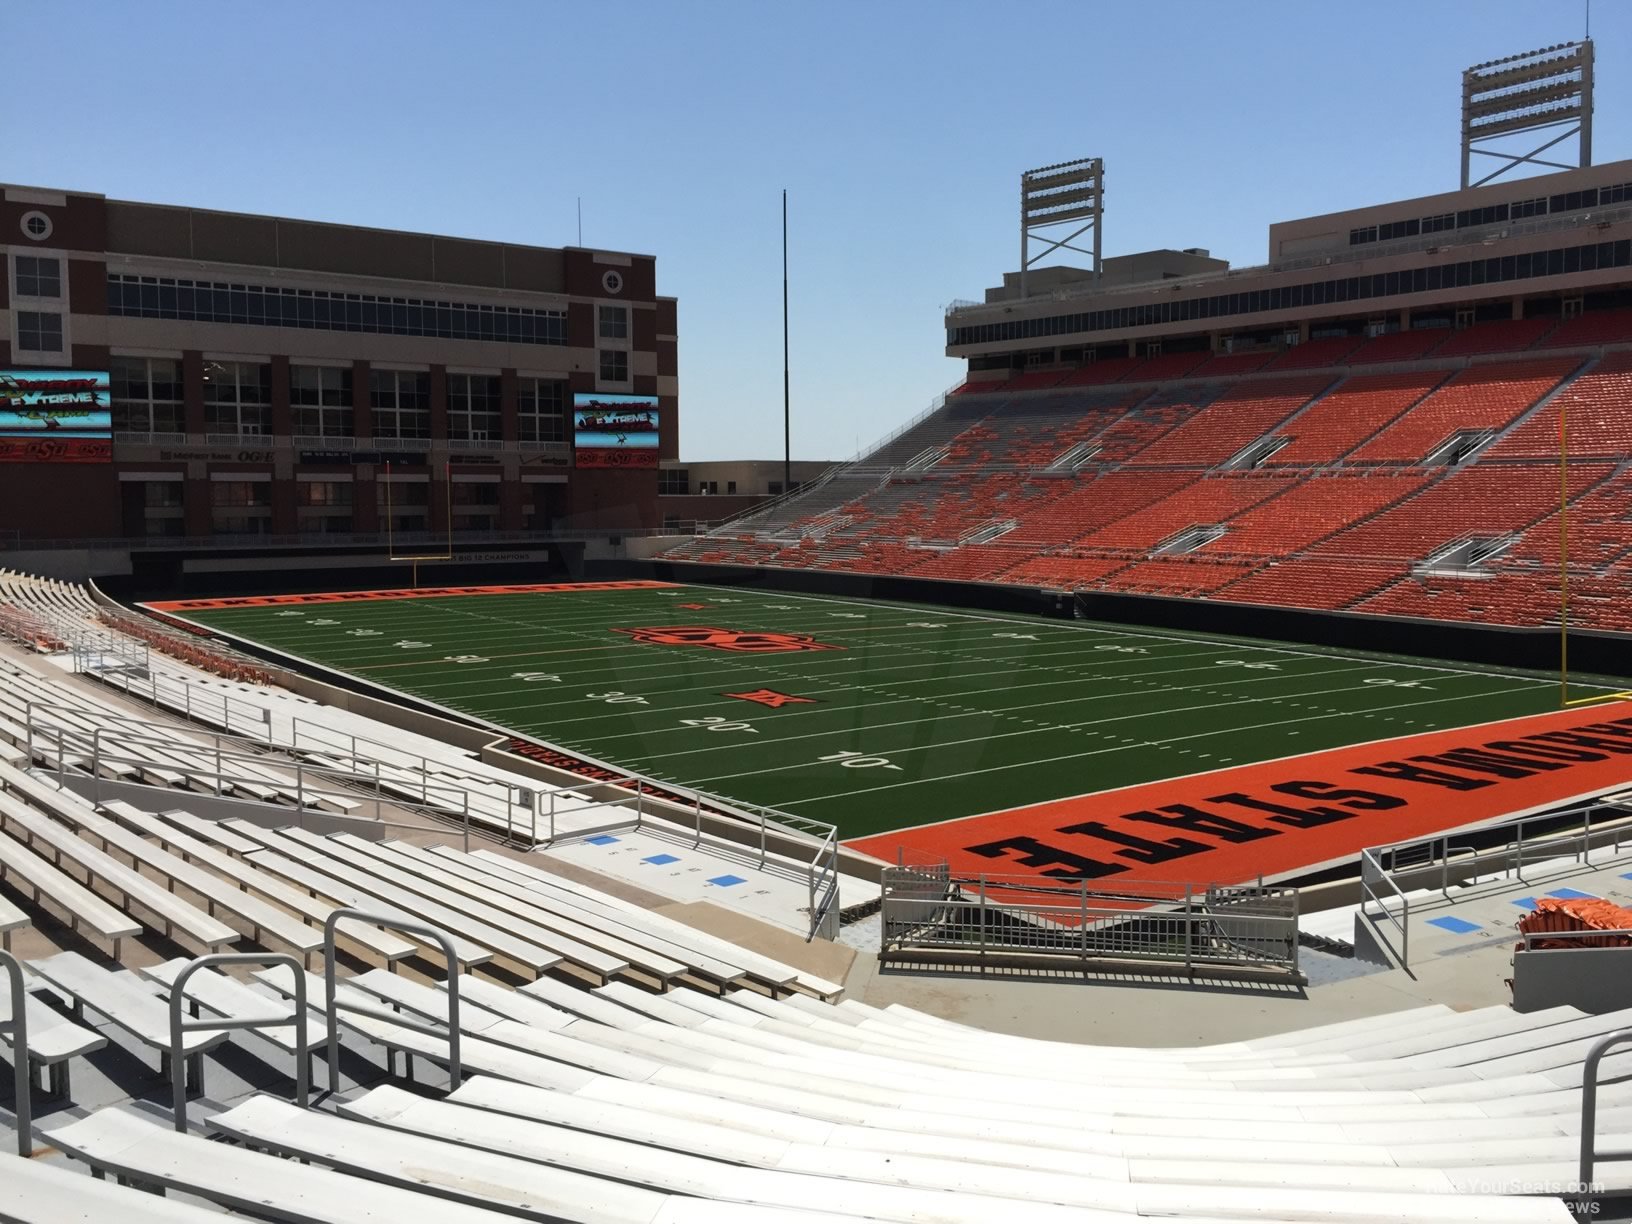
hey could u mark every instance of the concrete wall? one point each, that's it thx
(1597, 980)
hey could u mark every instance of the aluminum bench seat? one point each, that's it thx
(501, 1058)
(344, 891)
(485, 1140)
(576, 896)
(859, 1182)
(568, 936)
(247, 876)
(123, 1143)
(268, 922)
(472, 1176)
(657, 954)
(511, 937)
(231, 999)
(47, 1192)
(22, 867)
(125, 1005)
(172, 912)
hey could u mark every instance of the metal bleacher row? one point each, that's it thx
(1092, 479)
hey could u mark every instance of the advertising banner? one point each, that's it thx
(614, 431)
(55, 416)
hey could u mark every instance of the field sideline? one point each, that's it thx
(875, 716)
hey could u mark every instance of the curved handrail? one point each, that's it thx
(22, 1073)
(1589, 1105)
(180, 1027)
(331, 1014)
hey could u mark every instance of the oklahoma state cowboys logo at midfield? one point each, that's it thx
(725, 639)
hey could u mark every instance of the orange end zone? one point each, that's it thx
(1287, 817)
(268, 601)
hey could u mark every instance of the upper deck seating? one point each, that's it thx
(1501, 336)
(1165, 366)
(1591, 327)
(1480, 397)
(1398, 346)
(1105, 370)
(1350, 413)
(1234, 419)
(1227, 365)
(1315, 354)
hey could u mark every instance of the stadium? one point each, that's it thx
(1183, 772)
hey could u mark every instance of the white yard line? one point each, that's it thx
(1094, 752)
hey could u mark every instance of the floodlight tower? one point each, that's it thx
(1066, 193)
(1528, 93)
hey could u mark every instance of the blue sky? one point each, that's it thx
(899, 128)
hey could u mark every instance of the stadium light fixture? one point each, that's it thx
(1052, 197)
(1534, 91)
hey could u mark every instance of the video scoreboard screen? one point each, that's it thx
(614, 431)
(55, 416)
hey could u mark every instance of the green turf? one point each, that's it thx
(944, 714)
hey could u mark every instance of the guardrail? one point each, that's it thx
(1389, 873)
(931, 911)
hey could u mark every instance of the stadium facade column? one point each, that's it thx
(362, 403)
(283, 417)
(510, 491)
(439, 406)
(192, 393)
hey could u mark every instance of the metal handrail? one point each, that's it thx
(330, 1010)
(1589, 1106)
(22, 1073)
(1531, 937)
(179, 1026)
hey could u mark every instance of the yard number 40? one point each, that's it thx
(860, 760)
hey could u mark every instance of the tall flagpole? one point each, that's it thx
(787, 446)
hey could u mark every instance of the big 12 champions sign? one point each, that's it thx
(55, 416)
(614, 431)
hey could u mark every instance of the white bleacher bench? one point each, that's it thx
(247, 876)
(53, 1040)
(764, 969)
(585, 947)
(477, 1050)
(653, 956)
(125, 1005)
(22, 866)
(172, 912)
(11, 919)
(45, 1191)
(477, 1177)
(210, 830)
(268, 923)
(342, 892)
(481, 924)
(133, 1148)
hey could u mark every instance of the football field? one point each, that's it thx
(874, 716)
